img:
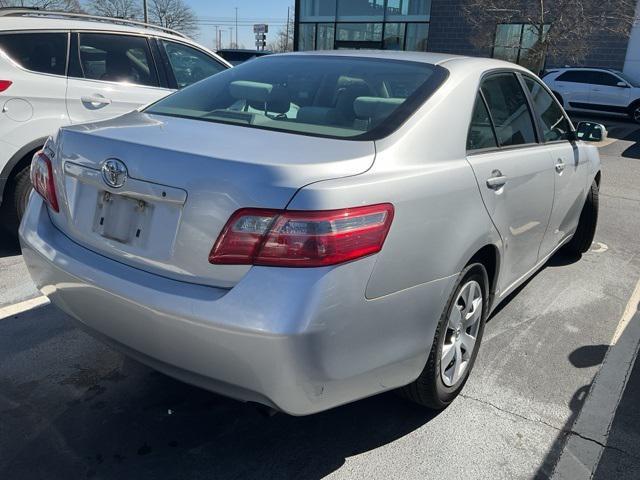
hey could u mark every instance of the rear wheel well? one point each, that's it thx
(488, 257)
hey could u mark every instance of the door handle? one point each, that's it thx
(96, 99)
(497, 180)
(560, 165)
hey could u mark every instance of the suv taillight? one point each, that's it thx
(286, 238)
(42, 179)
(4, 84)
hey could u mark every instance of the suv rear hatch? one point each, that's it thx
(184, 179)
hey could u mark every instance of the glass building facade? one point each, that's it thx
(374, 24)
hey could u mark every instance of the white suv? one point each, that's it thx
(596, 90)
(59, 69)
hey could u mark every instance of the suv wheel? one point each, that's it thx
(16, 200)
(634, 112)
(456, 342)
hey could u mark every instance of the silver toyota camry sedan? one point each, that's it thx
(309, 229)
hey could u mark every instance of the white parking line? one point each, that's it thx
(18, 308)
(590, 432)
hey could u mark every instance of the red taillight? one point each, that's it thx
(302, 238)
(4, 84)
(42, 179)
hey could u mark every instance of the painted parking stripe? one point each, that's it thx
(18, 308)
(590, 432)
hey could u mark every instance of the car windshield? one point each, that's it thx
(633, 82)
(333, 96)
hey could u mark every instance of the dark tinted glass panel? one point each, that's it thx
(39, 52)
(117, 58)
(393, 36)
(417, 34)
(328, 96)
(509, 110)
(326, 36)
(480, 132)
(555, 125)
(408, 7)
(360, 32)
(311, 9)
(360, 8)
(576, 76)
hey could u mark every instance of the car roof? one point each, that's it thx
(52, 22)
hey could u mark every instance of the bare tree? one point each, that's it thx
(53, 5)
(555, 28)
(284, 37)
(175, 14)
(129, 9)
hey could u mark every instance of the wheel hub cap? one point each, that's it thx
(461, 333)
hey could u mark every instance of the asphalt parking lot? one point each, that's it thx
(546, 394)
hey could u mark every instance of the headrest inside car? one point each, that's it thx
(250, 91)
(375, 107)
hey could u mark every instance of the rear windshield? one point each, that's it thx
(331, 96)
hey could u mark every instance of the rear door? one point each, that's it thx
(514, 172)
(606, 94)
(110, 74)
(575, 88)
(571, 169)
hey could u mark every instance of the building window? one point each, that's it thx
(307, 37)
(361, 9)
(417, 34)
(408, 7)
(318, 10)
(517, 43)
(359, 32)
(326, 36)
(393, 36)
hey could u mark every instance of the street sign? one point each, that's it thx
(261, 28)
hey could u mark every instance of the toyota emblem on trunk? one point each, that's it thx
(114, 173)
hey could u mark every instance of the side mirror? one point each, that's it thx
(622, 84)
(591, 132)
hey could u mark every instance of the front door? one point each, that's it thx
(515, 177)
(606, 94)
(115, 74)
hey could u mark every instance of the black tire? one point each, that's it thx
(16, 200)
(429, 389)
(583, 238)
(634, 111)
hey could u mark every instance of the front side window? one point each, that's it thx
(342, 97)
(117, 58)
(190, 65)
(481, 134)
(554, 123)
(603, 78)
(38, 52)
(509, 110)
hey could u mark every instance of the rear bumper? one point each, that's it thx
(299, 340)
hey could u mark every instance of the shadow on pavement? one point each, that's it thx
(9, 245)
(84, 411)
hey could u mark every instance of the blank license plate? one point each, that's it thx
(118, 217)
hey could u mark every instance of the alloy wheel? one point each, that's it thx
(636, 114)
(461, 334)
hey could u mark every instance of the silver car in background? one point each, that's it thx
(309, 229)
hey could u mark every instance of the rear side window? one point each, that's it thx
(117, 58)
(38, 52)
(190, 65)
(555, 125)
(481, 133)
(575, 76)
(509, 110)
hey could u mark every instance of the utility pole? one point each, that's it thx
(231, 38)
(236, 27)
(146, 11)
(286, 48)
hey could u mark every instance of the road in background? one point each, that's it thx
(73, 408)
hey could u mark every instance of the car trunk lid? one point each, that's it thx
(184, 179)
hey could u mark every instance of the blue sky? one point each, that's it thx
(222, 13)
